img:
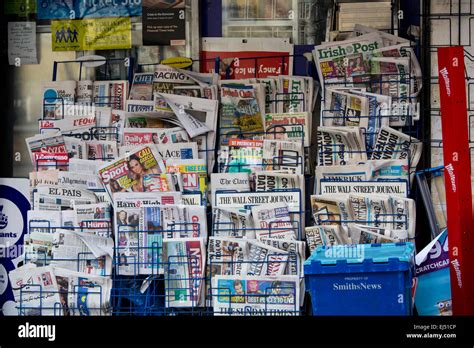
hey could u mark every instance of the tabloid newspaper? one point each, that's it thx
(342, 108)
(184, 267)
(132, 172)
(295, 94)
(371, 210)
(340, 146)
(274, 221)
(372, 235)
(283, 155)
(144, 136)
(346, 62)
(290, 127)
(48, 151)
(227, 256)
(232, 222)
(193, 172)
(295, 250)
(323, 235)
(250, 295)
(94, 218)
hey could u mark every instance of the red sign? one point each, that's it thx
(457, 177)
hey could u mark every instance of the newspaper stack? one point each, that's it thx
(365, 163)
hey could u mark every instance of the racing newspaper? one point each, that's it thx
(132, 172)
(184, 267)
(342, 108)
(274, 221)
(131, 236)
(35, 290)
(49, 197)
(392, 144)
(323, 235)
(340, 146)
(251, 295)
(232, 222)
(290, 127)
(283, 155)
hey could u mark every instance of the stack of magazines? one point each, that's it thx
(365, 161)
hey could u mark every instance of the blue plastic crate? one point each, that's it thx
(366, 279)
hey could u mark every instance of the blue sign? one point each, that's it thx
(14, 206)
(79, 9)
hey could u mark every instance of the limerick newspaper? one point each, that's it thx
(248, 295)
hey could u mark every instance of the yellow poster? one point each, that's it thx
(92, 34)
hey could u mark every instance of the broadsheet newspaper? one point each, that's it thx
(249, 295)
(345, 109)
(184, 267)
(233, 222)
(131, 237)
(48, 197)
(225, 181)
(283, 155)
(274, 221)
(340, 146)
(331, 210)
(265, 260)
(323, 235)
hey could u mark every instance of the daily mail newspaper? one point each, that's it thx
(131, 173)
(250, 295)
(184, 267)
(232, 222)
(326, 235)
(143, 136)
(340, 146)
(35, 290)
(274, 221)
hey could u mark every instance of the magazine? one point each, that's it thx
(131, 173)
(240, 111)
(251, 295)
(184, 267)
